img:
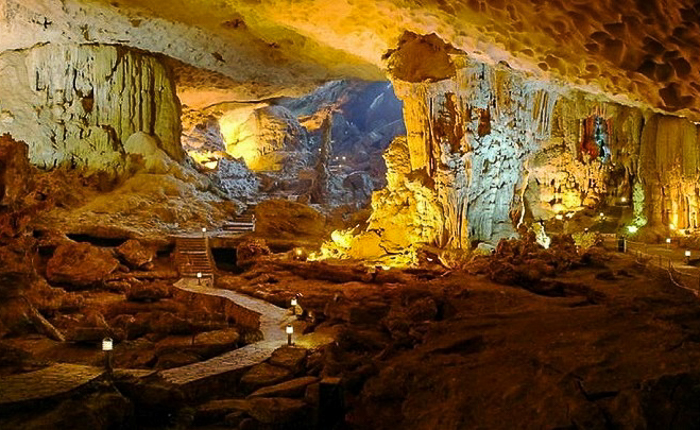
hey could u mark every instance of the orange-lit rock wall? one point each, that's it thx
(501, 148)
(669, 169)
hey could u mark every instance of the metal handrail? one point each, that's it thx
(669, 268)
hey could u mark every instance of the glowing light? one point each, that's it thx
(293, 302)
(298, 252)
(623, 200)
(602, 215)
(668, 240)
(672, 226)
(585, 229)
(559, 217)
(204, 229)
(107, 344)
(632, 228)
(199, 275)
(290, 331)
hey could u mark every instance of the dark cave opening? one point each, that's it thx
(108, 242)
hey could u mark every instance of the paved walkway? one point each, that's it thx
(273, 321)
(49, 382)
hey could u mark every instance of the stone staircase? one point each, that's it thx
(192, 256)
(243, 223)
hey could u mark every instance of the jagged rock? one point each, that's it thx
(263, 375)
(277, 410)
(80, 264)
(238, 181)
(136, 255)
(293, 388)
(291, 358)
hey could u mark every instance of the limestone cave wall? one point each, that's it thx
(500, 148)
(76, 105)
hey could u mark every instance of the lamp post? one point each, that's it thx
(290, 331)
(204, 232)
(687, 256)
(107, 347)
(668, 243)
(199, 278)
(293, 302)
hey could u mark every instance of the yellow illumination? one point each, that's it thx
(632, 228)
(559, 217)
(672, 226)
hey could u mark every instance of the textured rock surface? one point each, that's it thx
(643, 51)
(77, 105)
(80, 264)
(135, 254)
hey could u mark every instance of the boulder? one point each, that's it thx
(293, 388)
(289, 357)
(276, 410)
(263, 375)
(136, 255)
(80, 264)
(282, 218)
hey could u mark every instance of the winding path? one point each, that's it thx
(272, 322)
(59, 379)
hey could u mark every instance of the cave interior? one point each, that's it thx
(270, 215)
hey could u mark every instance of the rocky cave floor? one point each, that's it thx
(526, 338)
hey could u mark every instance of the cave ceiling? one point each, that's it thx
(643, 52)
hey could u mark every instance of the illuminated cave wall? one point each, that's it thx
(470, 127)
(77, 105)
(670, 171)
(500, 148)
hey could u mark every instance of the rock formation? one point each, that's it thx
(77, 105)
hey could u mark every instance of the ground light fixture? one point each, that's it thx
(107, 347)
(199, 278)
(204, 232)
(293, 302)
(623, 200)
(668, 242)
(290, 331)
(687, 256)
